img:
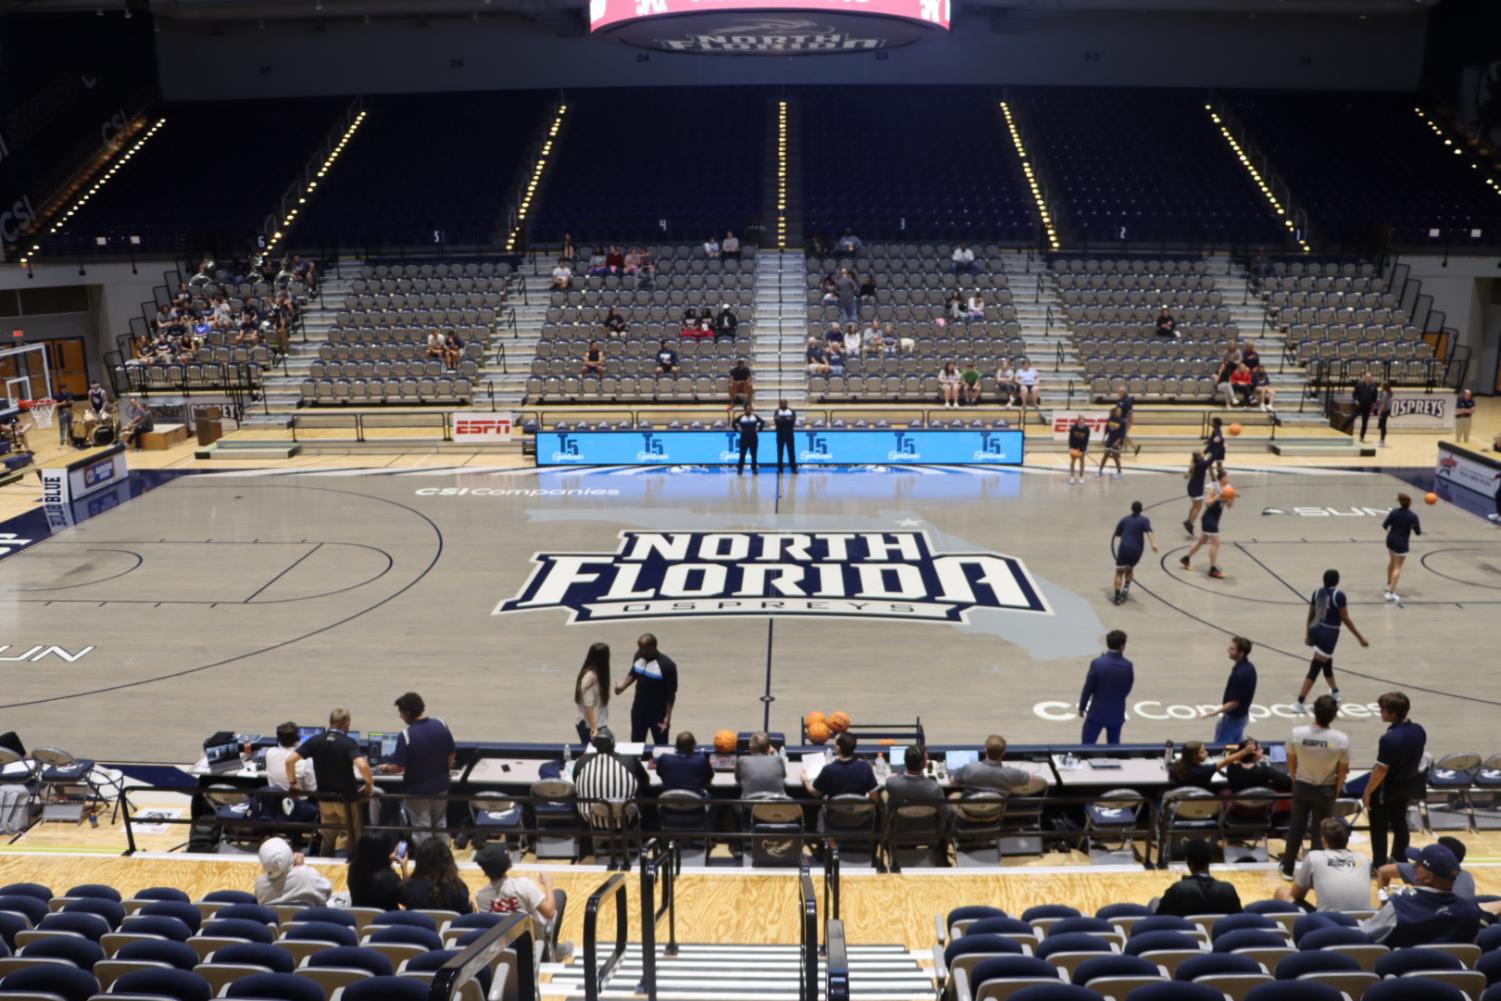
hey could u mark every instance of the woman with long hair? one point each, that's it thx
(435, 883)
(372, 881)
(591, 692)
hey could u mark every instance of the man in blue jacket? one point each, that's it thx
(1102, 703)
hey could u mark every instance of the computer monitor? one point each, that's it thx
(354, 735)
(1277, 754)
(955, 760)
(381, 745)
(308, 732)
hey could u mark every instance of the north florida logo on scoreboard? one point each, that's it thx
(888, 575)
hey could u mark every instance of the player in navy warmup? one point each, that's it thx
(1198, 465)
(1400, 524)
(1127, 404)
(1129, 533)
(1078, 447)
(1214, 445)
(749, 424)
(1217, 497)
(1326, 613)
(1115, 440)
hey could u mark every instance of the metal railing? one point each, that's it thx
(292, 195)
(596, 975)
(831, 880)
(512, 932)
(836, 975)
(661, 861)
(808, 936)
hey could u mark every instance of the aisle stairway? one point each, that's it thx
(751, 973)
(781, 327)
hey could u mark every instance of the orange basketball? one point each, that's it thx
(839, 722)
(1228, 492)
(818, 732)
(1076, 453)
(813, 717)
(724, 741)
(1430, 498)
(1234, 430)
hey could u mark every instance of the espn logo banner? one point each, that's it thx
(480, 429)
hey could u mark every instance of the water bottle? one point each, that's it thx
(567, 755)
(883, 769)
(1167, 754)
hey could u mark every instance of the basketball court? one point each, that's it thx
(973, 598)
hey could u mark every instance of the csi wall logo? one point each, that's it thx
(862, 575)
(1328, 512)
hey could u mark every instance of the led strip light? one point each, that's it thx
(93, 190)
(1432, 123)
(781, 175)
(1021, 151)
(323, 169)
(536, 179)
(1266, 189)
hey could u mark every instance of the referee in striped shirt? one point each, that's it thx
(606, 776)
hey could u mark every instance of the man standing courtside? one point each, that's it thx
(785, 419)
(1234, 710)
(1396, 780)
(655, 676)
(336, 758)
(1318, 759)
(424, 755)
(1102, 703)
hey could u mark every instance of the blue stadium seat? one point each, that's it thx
(1049, 911)
(1235, 922)
(95, 890)
(406, 935)
(1492, 993)
(162, 893)
(1175, 990)
(1296, 966)
(111, 911)
(354, 957)
(1080, 924)
(1317, 921)
(465, 939)
(1488, 939)
(1154, 941)
(972, 912)
(387, 989)
(176, 954)
(250, 931)
(478, 919)
(37, 890)
(1215, 964)
(1011, 967)
(1323, 938)
(67, 982)
(432, 961)
(412, 918)
(1056, 992)
(10, 924)
(1294, 990)
(1111, 911)
(274, 987)
(1000, 926)
(1489, 963)
(1401, 961)
(247, 912)
(1113, 966)
(181, 985)
(229, 897)
(967, 945)
(161, 925)
(334, 915)
(183, 911)
(1249, 938)
(321, 931)
(90, 926)
(1162, 922)
(1272, 907)
(1414, 989)
(32, 907)
(255, 954)
(79, 951)
(1072, 942)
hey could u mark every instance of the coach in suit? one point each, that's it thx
(1102, 703)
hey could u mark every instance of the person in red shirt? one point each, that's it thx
(1238, 393)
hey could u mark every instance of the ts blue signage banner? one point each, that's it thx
(843, 447)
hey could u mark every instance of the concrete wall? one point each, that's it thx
(201, 61)
(1461, 288)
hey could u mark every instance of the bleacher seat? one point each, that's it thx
(1175, 990)
(242, 929)
(36, 890)
(95, 890)
(387, 989)
(1320, 961)
(162, 893)
(274, 987)
(29, 907)
(1414, 989)
(1400, 962)
(79, 951)
(1293, 990)
(179, 985)
(65, 981)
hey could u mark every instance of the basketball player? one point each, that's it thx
(1078, 446)
(1326, 613)
(1127, 404)
(1115, 440)
(1129, 532)
(1198, 465)
(1400, 524)
(1217, 497)
(749, 424)
(1496, 517)
(1214, 446)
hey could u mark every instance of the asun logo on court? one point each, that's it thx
(887, 575)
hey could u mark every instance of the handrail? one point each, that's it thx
(831, 880)
(653, 856)
(836, 975)
(594, 974)
(513, 931)
(808, 906)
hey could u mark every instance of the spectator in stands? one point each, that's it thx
(614, 260)
(1007, 390)
(1337, 877)
(971, 379)
(726, 323)
(307, 271)
(633, 260)
(605, 775)
(1250, 356)
(1432, 914)
(434, 348)
(1193, 767)
(285, 879)
(453, 350)
(814, 355)
(849, 243)
(741, 387)
(591, 691)
(963, 259)
(507, 894)
(425, 756)
(1102, 701)
(874, 344)
(762, 770)
(948, 384)
(990, 773)
(1234, 710)
(835, 333)
(955, 309)
(614, 324)
(569, 253)
(685, 766)
(836, 356)
(1029, 380)
(691, 325)
(854, 341)
(1464, 412)
(371, 880)
(845, 775)
(667, 360)
(711, 249)
(562, 275)
(1167, 327)
(976, 307)
(848, 291)
(729, 247)
(336, 758)
(827, 296)
(1228, 361)
(1261, 388)
(1198, 892)
(594, 361)
(435, 883)
(1238, 390)
(868, 291)
(1464, 883)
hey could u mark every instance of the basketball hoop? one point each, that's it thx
(42, 411)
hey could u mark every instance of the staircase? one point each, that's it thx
(751, 973)
(781, 317)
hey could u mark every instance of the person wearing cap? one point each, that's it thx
(1199, 892)
(1464, 884)
(285, 879)
(1433, 913)
(507, 894)
(1339, 878)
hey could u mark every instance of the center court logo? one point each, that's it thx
(888, 575)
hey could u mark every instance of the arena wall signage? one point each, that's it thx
(986, 447)
(1064, 419)
(860, 575)
(1429, 412)
(1067, 712)
(768, 27)
(1466, 469)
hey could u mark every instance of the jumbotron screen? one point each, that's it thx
(768, 27)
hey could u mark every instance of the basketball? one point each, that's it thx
(1430, 498)
(724, 741)
(1234, 430)
(1075, 453)
(839, 722)
(818, 732)
(813, 717)
(1228, 492)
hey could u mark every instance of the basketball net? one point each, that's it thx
(42, 412)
